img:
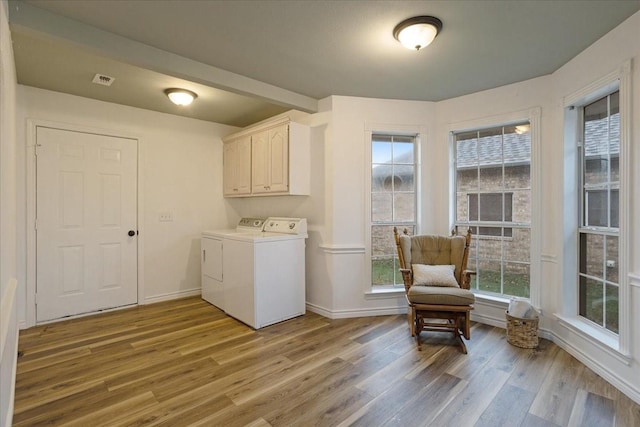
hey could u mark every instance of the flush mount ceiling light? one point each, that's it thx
(417, 32)
(181, 96)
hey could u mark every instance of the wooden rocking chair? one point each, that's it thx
(436, 283)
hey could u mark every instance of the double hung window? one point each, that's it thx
(493, 199)
(393, 202)
(599, 183)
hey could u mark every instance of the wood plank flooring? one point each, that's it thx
(185, 363)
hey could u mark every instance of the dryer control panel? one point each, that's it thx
(286, 225)
(251, 224)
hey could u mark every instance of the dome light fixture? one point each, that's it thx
(417, 32)
(180, 96)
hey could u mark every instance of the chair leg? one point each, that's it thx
(467, 326)
(411, 318)
(462, 344)
(419, 326)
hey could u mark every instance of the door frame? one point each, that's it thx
(31, 182)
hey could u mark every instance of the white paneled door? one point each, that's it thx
(86, 232)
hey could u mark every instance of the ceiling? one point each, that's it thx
(249, 60)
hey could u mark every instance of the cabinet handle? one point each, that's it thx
(204, 255)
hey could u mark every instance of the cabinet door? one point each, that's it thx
(260, 162)
(243, 164)
(229, 186)
(279, 159)
(237, 167)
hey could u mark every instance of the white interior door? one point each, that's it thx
(86, 209)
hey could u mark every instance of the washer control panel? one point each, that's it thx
(286, 225)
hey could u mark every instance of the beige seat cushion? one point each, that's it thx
(440, 295)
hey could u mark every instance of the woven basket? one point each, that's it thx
(522, 332)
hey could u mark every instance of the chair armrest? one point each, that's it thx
(407, 278)
(466, 279)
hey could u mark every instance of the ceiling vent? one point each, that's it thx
(103, 80)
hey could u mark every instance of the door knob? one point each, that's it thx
(131, 233)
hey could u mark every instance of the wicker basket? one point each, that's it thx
(522, 332)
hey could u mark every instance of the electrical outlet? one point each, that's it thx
(165, 217)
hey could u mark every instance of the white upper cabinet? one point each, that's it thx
(278, 161)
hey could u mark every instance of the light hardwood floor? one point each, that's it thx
(183, 363)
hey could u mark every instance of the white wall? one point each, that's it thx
(488, 108)
(349, 121)
(345, 250)
(181, 173)
(603, 57)
(8, 284)
(338, 286)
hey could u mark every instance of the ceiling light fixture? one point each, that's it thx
(417, 32)
(181, 96)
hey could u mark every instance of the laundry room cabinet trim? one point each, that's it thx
(278, 163)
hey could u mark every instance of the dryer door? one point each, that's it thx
(212, 258)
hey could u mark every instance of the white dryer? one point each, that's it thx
(211, 258)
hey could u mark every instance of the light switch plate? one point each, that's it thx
(165, 217)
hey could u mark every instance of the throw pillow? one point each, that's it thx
(434, 275)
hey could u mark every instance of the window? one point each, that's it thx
(393, 202)
(598, 230)
(493, 199)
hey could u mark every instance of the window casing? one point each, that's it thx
(393, 202)
(493, 199)
(598, 231)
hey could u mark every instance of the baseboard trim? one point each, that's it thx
(489, 320)
(172, 295)
(358, 312)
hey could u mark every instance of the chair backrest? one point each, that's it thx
(434, 250)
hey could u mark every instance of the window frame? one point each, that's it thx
(533, 116)
(503, 224)
(618, 345)
(418, 133)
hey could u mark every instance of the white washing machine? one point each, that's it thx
(211, 248)
(262, 279)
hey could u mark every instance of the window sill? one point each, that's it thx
(500, 302)
(384, 293)
(606, 341)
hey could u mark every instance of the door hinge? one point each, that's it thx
(37, 298)
(35, 224)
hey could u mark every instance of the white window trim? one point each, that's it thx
(619, 79)
(420, 134)
(531, 115)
